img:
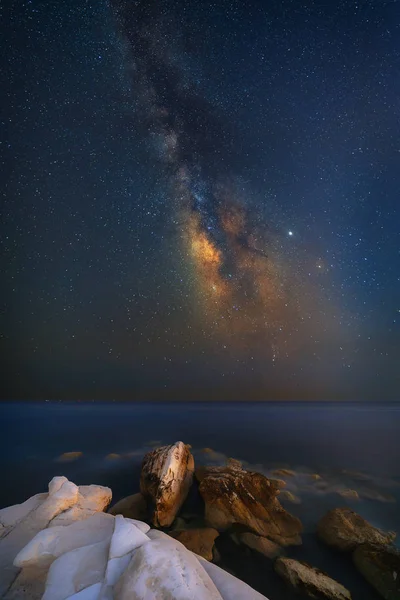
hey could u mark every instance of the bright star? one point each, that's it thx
(290, 233)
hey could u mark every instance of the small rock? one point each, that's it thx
(309, 580)
(350, 494)
(131, 507)
(380, 567)
(260, 544)
(113, 456)
(199, 541)
(286, 495)
(344, 529)
(69, 456)
(283, 473)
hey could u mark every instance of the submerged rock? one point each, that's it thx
(381, 568)
(344, 529)
(166, 477)
(69, 456)
(309, 580)
(283, 473)
(260, 544)
(132, 507)
(248, 498)
(289, 496)
(199, 541)
(350, 494)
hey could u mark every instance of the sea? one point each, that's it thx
(329, 449)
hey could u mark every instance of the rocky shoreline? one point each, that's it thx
(209, 516)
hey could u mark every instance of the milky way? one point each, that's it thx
(245, 283)
(201, 199)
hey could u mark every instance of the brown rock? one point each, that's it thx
(131, 507)
(69, 456)
(344, 529)
(381, 568)
(260, 544)
(350, 494)
(239, 496)
(286, 495)
(199, 541)
(283, 473)
(309, 580)
(233, 463)
(280, 483)
(166, 477)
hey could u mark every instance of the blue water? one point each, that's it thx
(354, 446)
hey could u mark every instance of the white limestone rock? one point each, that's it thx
(12, 514)
(139, 524)
(51, 543)
(59, 499)
(91, 499)
(29, 584)
(229, 587)
(126, 537)
(101, 557)
(76, 570)
(90, 593)
(164, 570)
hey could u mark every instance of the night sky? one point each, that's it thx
(201, 199)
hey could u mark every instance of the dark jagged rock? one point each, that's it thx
(233, 495)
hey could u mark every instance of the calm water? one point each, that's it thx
(350, 446)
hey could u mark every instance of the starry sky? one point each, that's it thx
(201, 200)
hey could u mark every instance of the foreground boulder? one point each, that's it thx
(233, 495)
(309, 580)
(381, 568)
(64, 503)
(199, 541)
(166, 477)
(103, 557)
(344, 530)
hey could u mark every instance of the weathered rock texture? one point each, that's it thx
(344, 529)
(381, 568)
(233, 495)
(310, 581)
(65, 503)
(166, 477)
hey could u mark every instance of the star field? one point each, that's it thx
(200, 200)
